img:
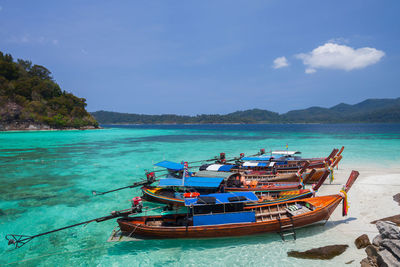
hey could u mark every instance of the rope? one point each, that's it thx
(345, 203)
(130, 234)
(301, 179)
(330, 169)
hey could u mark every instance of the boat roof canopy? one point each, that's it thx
(255, 164)
(220, 167)
(205, 182)
(257, 158)
(221, 198)
(285, 153)
(224, 175)
(170, 165)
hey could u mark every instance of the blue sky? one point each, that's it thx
(203, 57)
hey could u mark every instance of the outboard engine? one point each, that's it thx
(137, 204)
(222, 158)
(150, 177)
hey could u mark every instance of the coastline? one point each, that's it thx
(32, 127)
(370, 199)
(253, 123)
(50, 130)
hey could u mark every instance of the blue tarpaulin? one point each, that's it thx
(170, 165)
(255, 164)
(208, 182)
(223, 198)
(262, 158)
(224, 218)
(226, 168)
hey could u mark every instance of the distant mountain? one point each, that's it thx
(370, 110)
(248, 116)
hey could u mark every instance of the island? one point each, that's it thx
(367, 111)
(30, 99)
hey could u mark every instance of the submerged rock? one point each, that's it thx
(394, 219)
(321, 253)
(362, 241)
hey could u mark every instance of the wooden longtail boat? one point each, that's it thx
(173, 191)
(269, 163)
(291, 175)
(166, 196)
(262, 168)
(230, 217)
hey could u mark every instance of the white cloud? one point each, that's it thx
(280, 62)
(31, 39)
(335, 56)
(310, 70)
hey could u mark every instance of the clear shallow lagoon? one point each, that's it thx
(47, 177)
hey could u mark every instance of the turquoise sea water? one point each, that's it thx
(47, 177)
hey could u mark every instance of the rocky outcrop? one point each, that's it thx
(362, 241)
(385, 248)
(34, 126)
(397, 198)
(388, 230)
(321, 253)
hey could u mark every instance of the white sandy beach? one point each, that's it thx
(370, 198)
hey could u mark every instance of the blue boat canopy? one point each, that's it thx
(170, 165)
(222, 198)
(256, 164)
(220, 167)
(260, 158)
(205, 182)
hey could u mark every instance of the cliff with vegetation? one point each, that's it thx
(30, 99)
(368, 111)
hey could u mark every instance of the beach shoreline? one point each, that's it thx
(370, 199)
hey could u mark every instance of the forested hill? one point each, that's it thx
(31, 99)
(371, 110)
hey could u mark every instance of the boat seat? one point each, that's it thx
(297, 209)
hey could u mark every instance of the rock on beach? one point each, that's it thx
(321, 253)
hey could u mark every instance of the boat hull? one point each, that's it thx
(136, 227)
(157, 197)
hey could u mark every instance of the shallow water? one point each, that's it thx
(47, 177)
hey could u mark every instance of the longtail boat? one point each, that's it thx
(265, 169)
(283, 163)
(173, 190)
(291, 175)
(176, 197)
(226, 215)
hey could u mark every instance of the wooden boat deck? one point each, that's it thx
(280, 211)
